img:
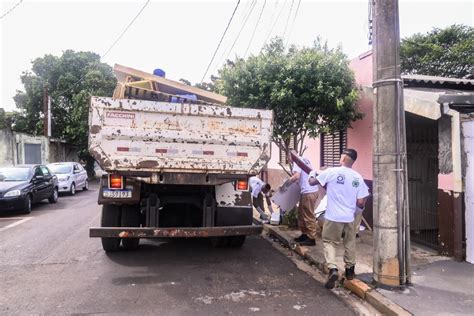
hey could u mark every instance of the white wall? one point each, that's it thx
(468, 133)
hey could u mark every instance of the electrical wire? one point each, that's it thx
(220, 42)
(126, 29)
(12, 8)
(254, 2)
(111, 46)
(293, 23)
(288, 19)
(242, 17)
(255, 28)
(274, 23)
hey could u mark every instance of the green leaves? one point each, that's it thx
(445, 52)
(71, 80)
(311, 89)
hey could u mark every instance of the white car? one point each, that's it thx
(71, 176)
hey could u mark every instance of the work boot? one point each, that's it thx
(332, 278)
(301, 238)
(308, 242)
(350, 273)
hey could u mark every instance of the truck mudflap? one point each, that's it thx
(173, 232)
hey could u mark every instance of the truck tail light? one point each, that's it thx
(242, 185)
(115, 181)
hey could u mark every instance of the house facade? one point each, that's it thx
(434, 144)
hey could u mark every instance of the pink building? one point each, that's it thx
(433, 148)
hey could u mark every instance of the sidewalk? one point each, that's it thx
(441, 286)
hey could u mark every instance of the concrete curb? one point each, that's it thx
(356, 286)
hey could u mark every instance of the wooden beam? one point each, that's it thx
(167, 85)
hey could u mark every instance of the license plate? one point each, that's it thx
(117, 194)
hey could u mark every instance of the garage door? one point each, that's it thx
(32, 153)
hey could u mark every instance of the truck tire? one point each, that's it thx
(219, 242)
(236, 241)
(130, 218)
(111, 217)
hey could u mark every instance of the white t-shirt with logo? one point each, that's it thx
(303, 182)
(344, 187)
(256, 186)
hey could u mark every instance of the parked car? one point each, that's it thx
(21, 186)
(71, 176)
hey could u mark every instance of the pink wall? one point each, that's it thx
(313, 151)
(362, 68)
(446, 182)
(359, 136)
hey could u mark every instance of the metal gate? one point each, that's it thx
(32, 153)
(422, 150)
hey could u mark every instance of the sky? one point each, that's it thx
(181, 36)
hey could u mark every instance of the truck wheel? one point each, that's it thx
(130, 218)
(219, 242)
(110, 218)
(236, 241)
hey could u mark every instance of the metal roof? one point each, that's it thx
(422, 80)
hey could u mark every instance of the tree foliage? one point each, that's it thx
(311, 90)
(71, 80)
(445, 52)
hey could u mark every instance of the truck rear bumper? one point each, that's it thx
(173, 232)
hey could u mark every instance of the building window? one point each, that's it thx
(332, 146)
(292, 145)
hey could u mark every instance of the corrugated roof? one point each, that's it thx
(440, 81)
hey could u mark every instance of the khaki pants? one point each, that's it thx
(306, 219)
(332, 232)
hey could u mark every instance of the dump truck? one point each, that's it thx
(177, 162)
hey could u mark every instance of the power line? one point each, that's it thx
(13, 8)
(111, 46)
(256, 26)
(126, 29)
(293, 23)
(274, 23)
(243, 17)
(288, 19)
(254, 2)
(218, 45)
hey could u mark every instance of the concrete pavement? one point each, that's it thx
(441, 286)
(49, 265)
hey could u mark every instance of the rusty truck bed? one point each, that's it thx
(149, 136)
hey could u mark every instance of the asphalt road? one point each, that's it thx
(49, 265)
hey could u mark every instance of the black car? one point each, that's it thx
(21, 186)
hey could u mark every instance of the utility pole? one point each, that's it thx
(390, 192)
(47, 113)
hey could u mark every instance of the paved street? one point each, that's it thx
(48, 264)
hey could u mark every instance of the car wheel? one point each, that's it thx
(130, 218)
(72, 190)
(111, 217)
(54, 196)
(27, 206)
(86, 185)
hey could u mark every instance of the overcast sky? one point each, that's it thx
(181, 36)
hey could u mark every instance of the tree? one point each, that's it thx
(445, 52)
(311, 90)
(71, 80)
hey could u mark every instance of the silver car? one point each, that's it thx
(71, 176)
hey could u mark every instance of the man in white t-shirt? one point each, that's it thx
(309, 195)
(258, 190)
(346, 191)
